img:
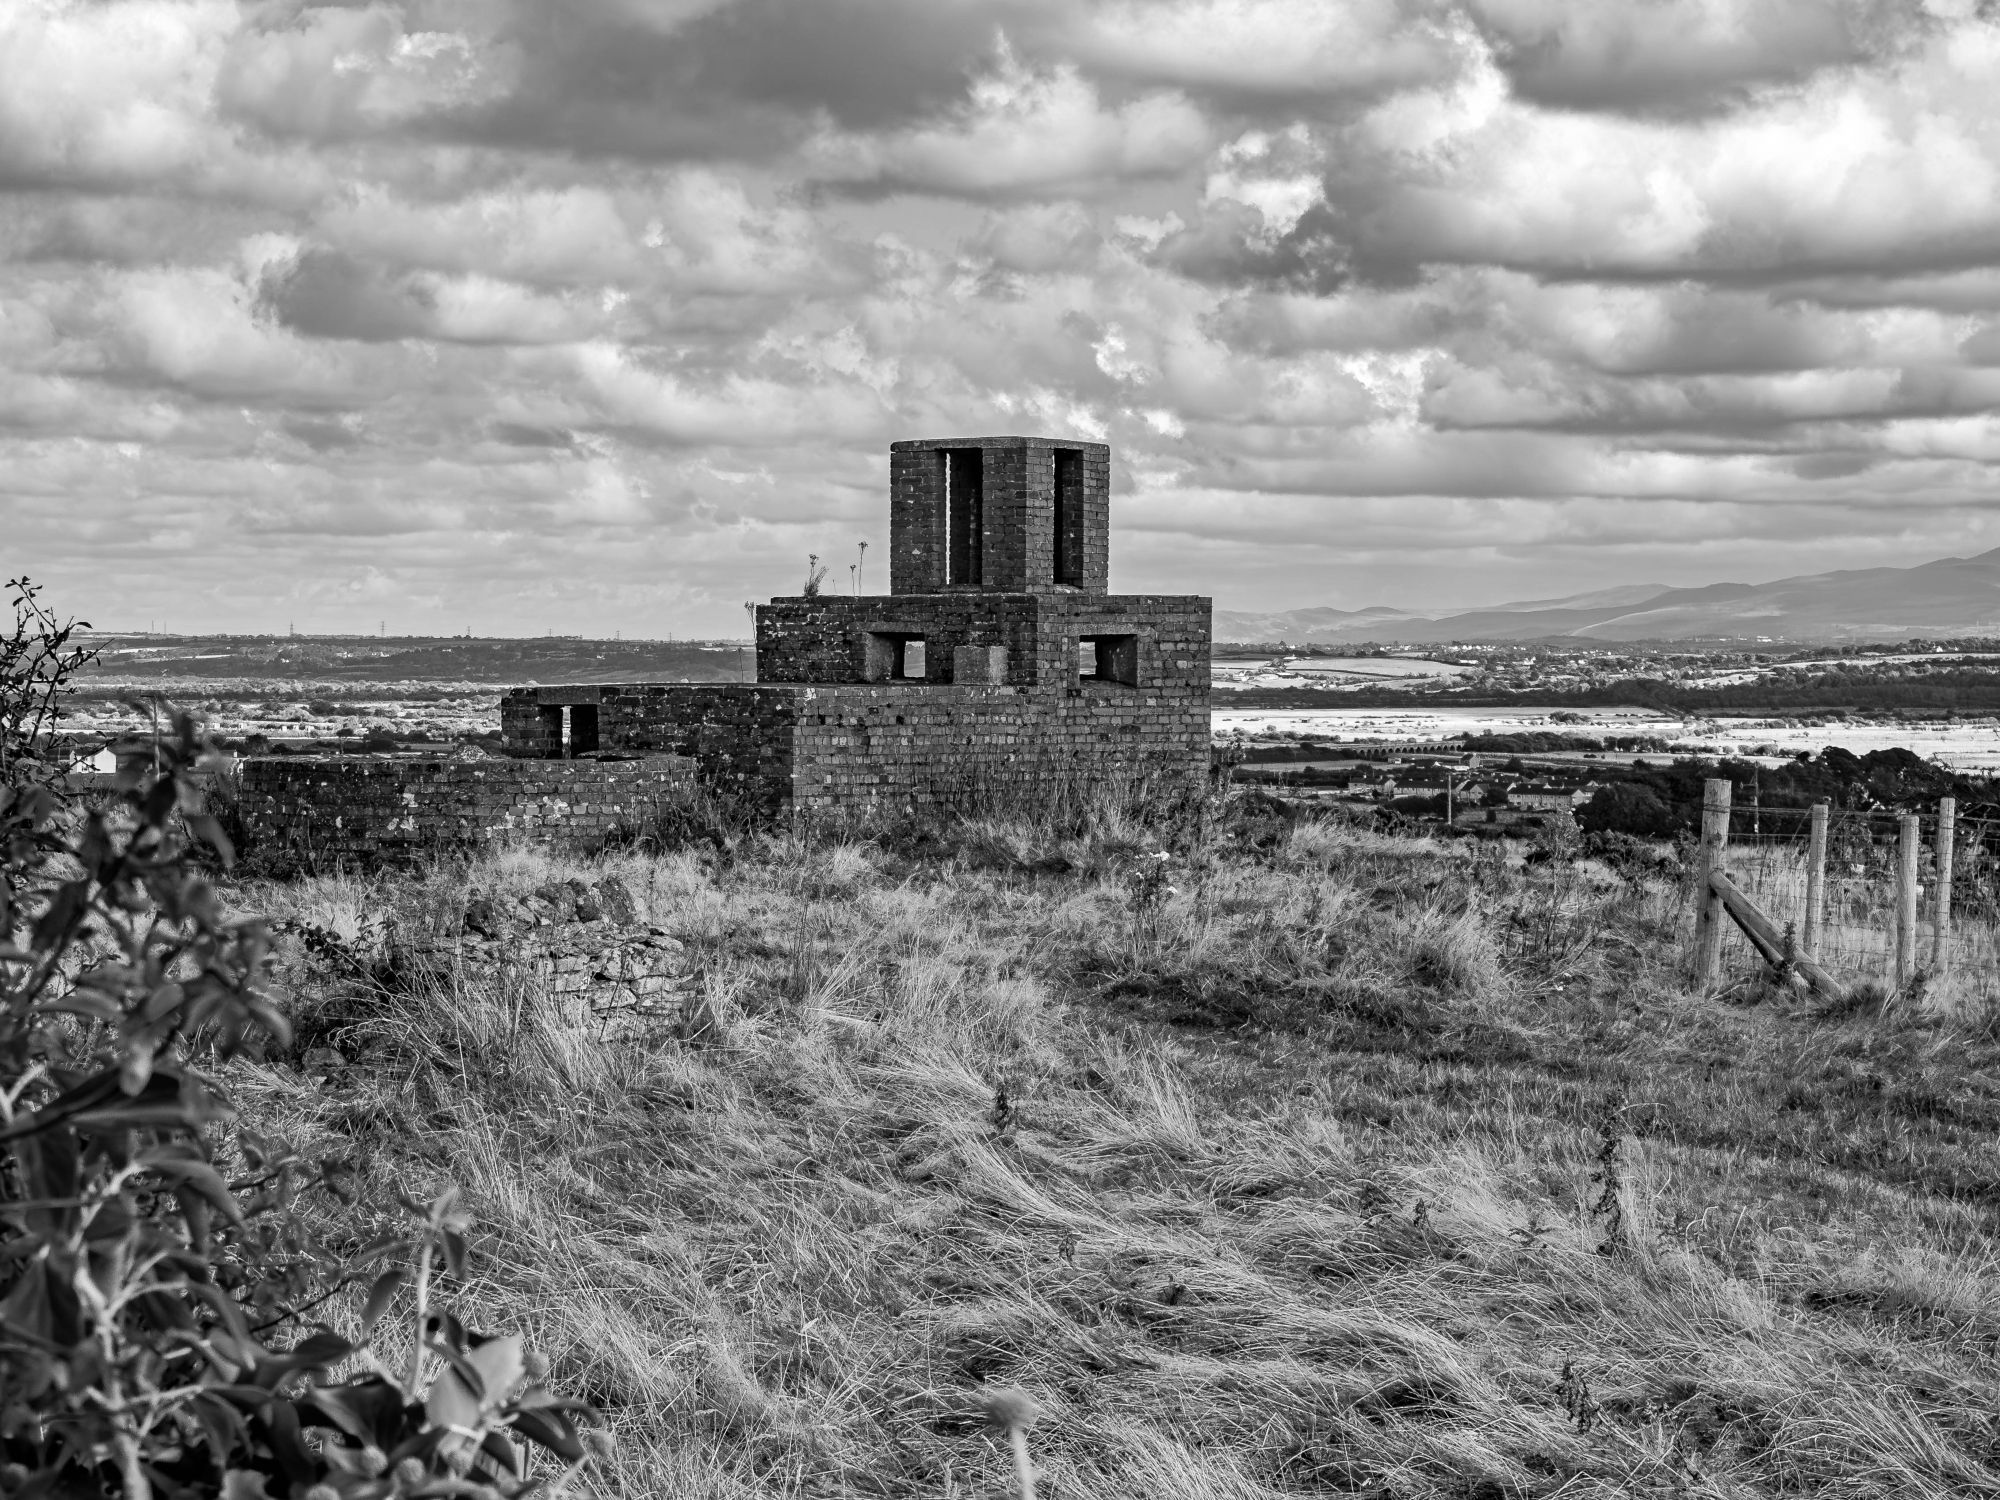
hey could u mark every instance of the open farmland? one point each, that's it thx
(423, 689)
(1237, 672)
(1969, 744)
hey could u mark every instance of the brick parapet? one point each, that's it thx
(823, 640)
(368, 811)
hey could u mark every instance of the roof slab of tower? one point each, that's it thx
(999, 515)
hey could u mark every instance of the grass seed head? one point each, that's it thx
(1010, 1408)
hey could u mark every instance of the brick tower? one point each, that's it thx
(996, 666)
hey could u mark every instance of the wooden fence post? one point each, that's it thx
(1947, 842)
(1714, 840)
(1906, 897)
(1815, 883)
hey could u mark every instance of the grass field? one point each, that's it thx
(1320, 1161)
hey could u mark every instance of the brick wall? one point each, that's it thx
(326, 810)
(914, 747)
(826, 738)
(1027, 682)
(822, 641)
(893, 746)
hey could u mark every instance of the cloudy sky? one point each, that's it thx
(583, 315)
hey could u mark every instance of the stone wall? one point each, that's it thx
(323, 811)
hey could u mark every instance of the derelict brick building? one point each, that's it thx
(996, 666)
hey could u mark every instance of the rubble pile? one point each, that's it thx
(571, 940)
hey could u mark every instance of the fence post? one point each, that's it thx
(1906, 897)
(1947, 842)
(1714, 840)
(1815, 883)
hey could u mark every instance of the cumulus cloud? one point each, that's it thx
(1271, 52)
(524, 312)
(1021, 133)
(1894, 168)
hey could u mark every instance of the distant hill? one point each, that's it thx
(551, 659)
(1953, 596)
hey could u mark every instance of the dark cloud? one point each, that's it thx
(320, 435)
(1835, 465)
(1983, 347)
(529, 435)
(1681, 58)
(740, 79)
(328, 295)
(1229, 246)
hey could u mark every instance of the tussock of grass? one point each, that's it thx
(1280, 1182)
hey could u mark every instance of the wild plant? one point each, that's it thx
(1607, 1175)
(815, 576)
(162, 1273)
(1151, 884)
(1574, 1393)
(1556, 930)
(37, 665)
(1013, 1411)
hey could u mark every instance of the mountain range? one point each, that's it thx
(1953, 596)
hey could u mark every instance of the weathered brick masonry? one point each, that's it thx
(997, 664)
(327, 810)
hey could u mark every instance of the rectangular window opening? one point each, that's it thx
(1108, 658)
(582, 730)
(964, 485)
(1069, 517)
(894, 658)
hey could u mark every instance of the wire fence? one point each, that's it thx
(1768, 857)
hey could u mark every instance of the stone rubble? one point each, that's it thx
(571, 940)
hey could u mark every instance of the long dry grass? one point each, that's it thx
(1326, 1162)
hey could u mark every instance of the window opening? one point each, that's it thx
(964, 483)
(1069, 517)
(1108, 658)
(569, 729)
(894, 658)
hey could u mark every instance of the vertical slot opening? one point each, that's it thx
(555, 731)
(964, 476)
(1069, 517)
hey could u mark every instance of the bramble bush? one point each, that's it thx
(160, 1269)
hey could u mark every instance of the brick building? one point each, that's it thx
(997, 665)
